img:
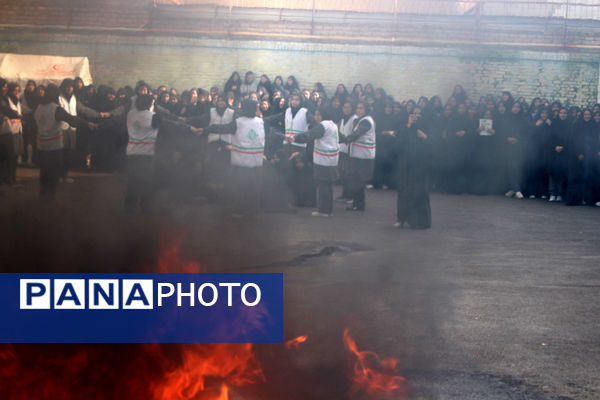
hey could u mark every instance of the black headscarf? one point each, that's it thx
(296, 109)
(11, 87)
(560, 129)
(52, 93)
(280, 86)
(65, 85)
(232, 85)
(100, 102)
(510, 101)
(248, 108)
(268, 86)
(2, 83)
(325, 113)
(30, 97)
(584, 135)
(294, 86)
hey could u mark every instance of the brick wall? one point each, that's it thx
(406, 72)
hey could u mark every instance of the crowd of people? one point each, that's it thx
(262, 143)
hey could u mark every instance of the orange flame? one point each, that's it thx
(202, 366)
(296, 342)
(169, 258)
(224, 393)
(233, 364)
(378, 380)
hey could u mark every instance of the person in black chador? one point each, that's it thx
(535, 183)
(459, 149)
(583, 156)
(486, 165)
(302, 184)
(513, 134)
(386, 122)
(412, 148)
(557, 155)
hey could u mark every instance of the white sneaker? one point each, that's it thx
(369, 187)
(510, 193)
(532, 196)
(385, 187)
(398, 225)
(558, 198)
(552, 198)
(519, 195)
(320, 214)
(597, 204)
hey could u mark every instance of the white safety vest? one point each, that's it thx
(345, 130)
(69, 106)
(364, 146)
(327, 148)
(295, 125)
(142, 136)
(16, 126)
(216, 119)
(50, 135)
(248, 143)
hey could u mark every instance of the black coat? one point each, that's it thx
(413, 168)
(556, 162)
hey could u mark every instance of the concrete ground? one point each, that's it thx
(499, 300)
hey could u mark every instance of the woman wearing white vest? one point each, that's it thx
(247, 149)
(69, 103)
(296, 120)
(219, 153)
(325, 158)
(49, 117)
(361, 152)
(15, 126)
(142, 129)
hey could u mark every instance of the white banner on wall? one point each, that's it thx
(43, 69)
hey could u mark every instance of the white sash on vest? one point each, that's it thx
(364, 146)
(216, 119)
(50, 136)
(327, 150)
(248, 143)
(16, 126)
(69, 106)
(142, 136)
(345, 130)
(296, 124)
